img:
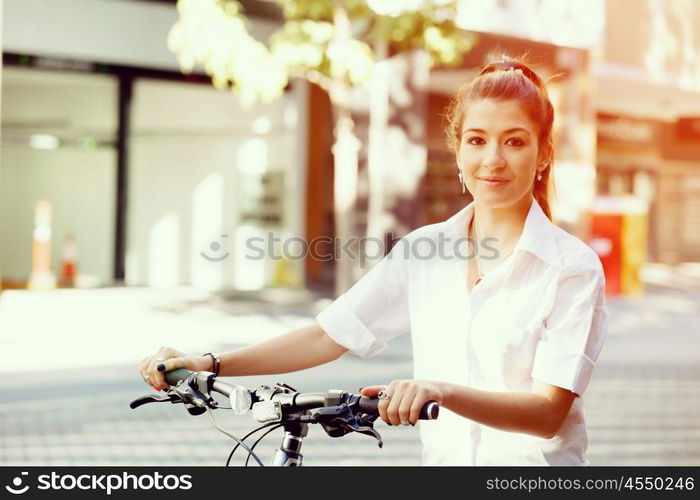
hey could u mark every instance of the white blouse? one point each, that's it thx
(539, 315)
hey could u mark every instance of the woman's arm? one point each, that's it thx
(540, 412)
(299, 349)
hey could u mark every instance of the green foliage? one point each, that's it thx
(301, 43)
(214, 33)
(431, 28)
(321, 10)
(307, 45)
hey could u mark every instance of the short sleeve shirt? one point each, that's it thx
(539, 315)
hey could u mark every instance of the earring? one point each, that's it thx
(540, 170)
(461, 181)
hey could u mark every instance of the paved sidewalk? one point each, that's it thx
(61, 329)
(643, 405)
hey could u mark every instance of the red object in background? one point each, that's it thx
(688, 128)
(606, 240)
(68, 266)
(68, 272)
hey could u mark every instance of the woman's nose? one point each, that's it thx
(493, 157)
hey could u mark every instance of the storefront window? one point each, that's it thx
(58, 146)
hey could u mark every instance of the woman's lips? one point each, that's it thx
(493, 181)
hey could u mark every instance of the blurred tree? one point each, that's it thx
(332, 43)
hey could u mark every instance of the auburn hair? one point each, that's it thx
(509, 78)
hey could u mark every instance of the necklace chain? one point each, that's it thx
(478, 263)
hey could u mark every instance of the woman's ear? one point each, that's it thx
(545, 154)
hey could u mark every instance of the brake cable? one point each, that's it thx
(259, 439)
(245, 446)
(271, 424)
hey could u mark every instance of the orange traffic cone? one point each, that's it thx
(42, 277)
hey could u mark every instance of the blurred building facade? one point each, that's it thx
(165, 181)
(648, 102)
(160, 178)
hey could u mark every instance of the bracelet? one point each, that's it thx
(215, 363)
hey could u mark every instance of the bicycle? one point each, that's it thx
(338, 412)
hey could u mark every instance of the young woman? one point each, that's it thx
(505, 340)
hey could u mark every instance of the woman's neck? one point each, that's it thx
(505, 224)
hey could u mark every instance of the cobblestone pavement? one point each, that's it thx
(643, 405)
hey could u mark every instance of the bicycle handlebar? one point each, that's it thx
(337, 412)
(299, 401)
(430, 410)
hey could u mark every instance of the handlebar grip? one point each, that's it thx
(430, 410)
(175, 376)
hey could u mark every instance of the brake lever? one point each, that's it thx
(153, 398)
(353, 426)
(367, 419)
(194, 393)
(339, 420)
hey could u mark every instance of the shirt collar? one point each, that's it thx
(537, 236)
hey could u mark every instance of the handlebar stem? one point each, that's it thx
(289, 453)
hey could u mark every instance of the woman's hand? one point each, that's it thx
(150, 374)
(405, 399)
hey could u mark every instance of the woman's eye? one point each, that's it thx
(515, 141)
(476, 141)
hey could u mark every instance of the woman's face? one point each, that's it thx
(498, 152)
